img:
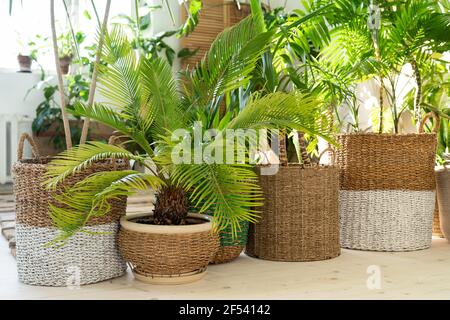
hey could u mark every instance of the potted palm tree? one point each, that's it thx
(386, 203)
(171, 244)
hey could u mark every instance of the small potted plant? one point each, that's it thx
(68, 43)
(29, 52)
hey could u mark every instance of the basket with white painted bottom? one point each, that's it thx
(86, 257)
(387, 196)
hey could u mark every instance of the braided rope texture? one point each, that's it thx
(300, 217)
(160, 254)
(386, 220)
(84, 259)
(387, 197)
(39, 265)
(230, 249)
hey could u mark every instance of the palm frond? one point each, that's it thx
(91, 198)
(231, 191)
(81, 157)
(229, 62)
(161, 92)
(281, 110)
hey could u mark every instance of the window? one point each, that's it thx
(30, 18)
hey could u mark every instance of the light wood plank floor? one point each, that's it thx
(411, 275)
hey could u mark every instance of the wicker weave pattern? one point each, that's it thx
(386, 161)
(443, 195)
(437, 232)
(96, 257)
(32, 199)
(299, 220)
(227, 254)
(386, 220)
(167, 254)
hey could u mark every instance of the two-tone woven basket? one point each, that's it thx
(85, 258)
(387, 197)
(443, 197)
(300, 217)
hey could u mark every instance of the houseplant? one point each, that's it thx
(81, 261)
(150, 110)
(376, 166)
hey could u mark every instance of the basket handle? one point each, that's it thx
(428, 116)
(112, 140)
(34, 149)
(333, 154)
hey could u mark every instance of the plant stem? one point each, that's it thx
(282, 147)
(96, 13)
(72, 32)
(302, 145)
(418, 93)
(93, 86)
(60, 78)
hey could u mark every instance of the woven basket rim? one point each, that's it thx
(385, 134)
(295, 165)
(166, 229)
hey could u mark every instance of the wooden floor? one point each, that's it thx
(411, 275)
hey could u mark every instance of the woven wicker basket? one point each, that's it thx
(300, 216)
(86, 258)
(167, 254)
(230, 249)
(387, 196)
(437, 232)
(443, 196)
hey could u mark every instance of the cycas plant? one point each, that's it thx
(150, 105)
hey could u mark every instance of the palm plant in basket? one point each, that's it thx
(160, 114)
(376, 167)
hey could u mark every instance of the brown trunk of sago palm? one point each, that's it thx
(65, 118)
(171, 207)
(93, 86)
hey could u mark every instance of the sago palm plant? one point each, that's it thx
(149, 106)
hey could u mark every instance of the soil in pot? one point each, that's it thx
(24, 63)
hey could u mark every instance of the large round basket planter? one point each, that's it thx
(300, 216)
(161, 254)
(443, 196)
(85, 258)
(387, 197)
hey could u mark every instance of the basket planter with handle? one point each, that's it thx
(86, 258)
(300, 217)
(443, 197)
(387, 196)
(167, 254)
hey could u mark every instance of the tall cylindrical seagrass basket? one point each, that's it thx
(443, 197)
(300, 217)
(387, 196)
(85, 258)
